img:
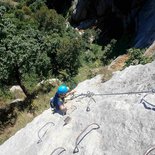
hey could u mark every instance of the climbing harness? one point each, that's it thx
(149, 150)
(94, 126)
(58, 151)
(40, 137)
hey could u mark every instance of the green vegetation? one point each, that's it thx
(136, 56)
(109, 52)
(36, 44)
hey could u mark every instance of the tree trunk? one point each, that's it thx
(19, 81)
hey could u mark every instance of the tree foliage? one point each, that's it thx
(20, 53)
(93, 54)
(50, 20)
(108, 52)
(64, 54)
(41, 46)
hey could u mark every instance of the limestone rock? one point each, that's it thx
(117, 17)
(53, 82)
(124, 124)
(118, 63)
(150, 52)
(17, 92)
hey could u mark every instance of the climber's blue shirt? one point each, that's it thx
(57, 101)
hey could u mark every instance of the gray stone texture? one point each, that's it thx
(127, 125)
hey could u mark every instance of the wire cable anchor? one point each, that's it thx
(40, 137)
(94, 126)
(58, 151)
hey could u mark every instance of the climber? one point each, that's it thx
(57, 102)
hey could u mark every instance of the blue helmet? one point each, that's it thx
(62, 89)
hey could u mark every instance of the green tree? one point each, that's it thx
(64, 54)
(20, 54)
(2, 11)
(49, 20)
(19, 14)
(93, 54)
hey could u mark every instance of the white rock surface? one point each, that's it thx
(17, 92)
(127, 125)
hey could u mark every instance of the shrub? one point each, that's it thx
(107, 52)
(136, 57)
(89, 35)
(93, 53)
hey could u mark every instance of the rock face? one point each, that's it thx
(84, 9)
(146, 25)
(118, 17)
(124, 124)
(114, 17)
(150, 52)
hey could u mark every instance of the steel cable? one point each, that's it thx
(90, 94)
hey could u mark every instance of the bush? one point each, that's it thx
(108, 52)
(89, 35)
(136, 57)
(93, 54)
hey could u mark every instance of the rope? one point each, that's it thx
(78, 139)
(149, 150)
(40, 138)
(59, 148)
